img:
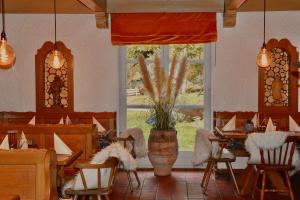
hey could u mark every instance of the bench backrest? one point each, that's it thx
(77, 137)
(31, 174)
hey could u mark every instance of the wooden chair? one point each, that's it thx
(111, 163)
(126, 141)
(219, 157)
(275, 160)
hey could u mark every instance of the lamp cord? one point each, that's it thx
(54, 24)
(264, 21)
(3, 35)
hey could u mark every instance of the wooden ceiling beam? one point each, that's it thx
(230, 12)
(100, 10)
(101, 19)
(95, 5)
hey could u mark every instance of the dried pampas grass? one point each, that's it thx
(164, 102)
(180, 76)
(170, 79)
(146, 77)
(157, 76)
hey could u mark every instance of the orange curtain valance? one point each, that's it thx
(163, 28)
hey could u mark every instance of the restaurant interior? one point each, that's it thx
(149, 100)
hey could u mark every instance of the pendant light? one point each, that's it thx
(56, 59)
(7, 54)
(264, 56)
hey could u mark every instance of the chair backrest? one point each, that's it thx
(281, 156)
(111, 164)
(128, 143)
(219, 142)
(218, 132)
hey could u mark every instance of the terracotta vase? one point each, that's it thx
(162, 151)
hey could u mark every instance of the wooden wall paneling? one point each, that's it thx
(77, 137)
(107, 119)
(1, 117)
(281, 120)
(221, 118)
(17, 117)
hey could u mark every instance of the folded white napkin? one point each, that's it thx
(32, 121)
(23, 144)
(68, 120)
(99, 126)
(255, 121)
(230, 126)
(5, 143)
(293, 126)
(61, 121)
(270, 126)
(60, 147)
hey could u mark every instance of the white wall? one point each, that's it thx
(95, 61)
(235, 76)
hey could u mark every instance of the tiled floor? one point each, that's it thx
(182, 185)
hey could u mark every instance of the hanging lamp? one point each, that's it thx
(7, 54)
(264, 56)
(56, 59)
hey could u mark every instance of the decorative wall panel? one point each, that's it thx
(54, 87)
(278, 91)
(277, 79)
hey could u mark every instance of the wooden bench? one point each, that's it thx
(77, 137)
(29, 174)
(107, 119)
(280, 119)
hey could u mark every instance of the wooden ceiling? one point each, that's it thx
(100, 8)
(79, 6)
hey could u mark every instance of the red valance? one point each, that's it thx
(163, 28)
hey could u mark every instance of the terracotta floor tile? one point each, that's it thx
(183, 185)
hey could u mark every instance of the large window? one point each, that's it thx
(190, 104)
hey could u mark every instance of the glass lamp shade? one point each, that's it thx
(56, 59)
(7, 55)
(263, 57)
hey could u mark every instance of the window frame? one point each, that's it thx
(207, 103)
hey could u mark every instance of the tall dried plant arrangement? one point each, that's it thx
(167, 88)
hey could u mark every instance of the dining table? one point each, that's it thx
(64, 161)
(245, 179)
